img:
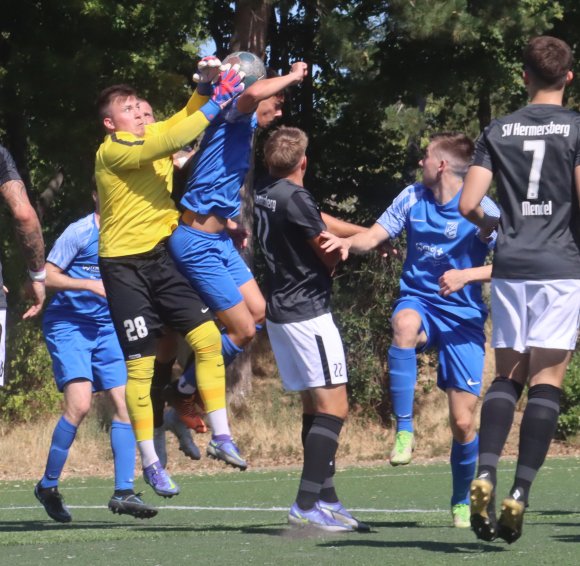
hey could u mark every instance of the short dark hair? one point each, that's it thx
(548, 59)
(284, 150)
(108, 95)
(457, 148)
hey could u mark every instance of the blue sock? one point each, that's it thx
(229, 350)
(62, 439)
(123, 445)
(189, 375)
(463, 461)
(403, 376)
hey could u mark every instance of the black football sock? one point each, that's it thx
(319, 450)
(307, 421)
(537, 430)
(161, 377)
(497, 415)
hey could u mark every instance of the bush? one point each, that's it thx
(569, 421)
(29, 390)
(364, 292)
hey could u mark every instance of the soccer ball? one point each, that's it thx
(250, 64)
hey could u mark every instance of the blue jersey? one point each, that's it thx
(76, 253)
(438, 239)
(220, 165)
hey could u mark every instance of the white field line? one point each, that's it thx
(218, 509)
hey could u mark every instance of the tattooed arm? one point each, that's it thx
(30, 238)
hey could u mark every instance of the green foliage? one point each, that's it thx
(29, 391)
(569, 421)
(364, 293)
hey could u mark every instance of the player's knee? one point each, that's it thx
(205, 340)
(463, 427)
(243, 333)
(75, 413)
(406, 328)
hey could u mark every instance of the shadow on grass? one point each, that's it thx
(47, 525)
(567, 538)
(298, 533)
(432, 546)
(556, 513)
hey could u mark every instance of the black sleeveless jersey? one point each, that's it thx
(298, 283)
(533, 154)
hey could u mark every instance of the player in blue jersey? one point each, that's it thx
(201, 246)
(86, 358)
(440, 304)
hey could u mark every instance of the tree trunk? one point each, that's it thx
(251, 29)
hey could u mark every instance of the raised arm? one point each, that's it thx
(265, 88)
(476, 185)
(29, 236)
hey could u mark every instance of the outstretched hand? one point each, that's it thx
(208, 71)
(334, 244)
(387, 250)
(229, 85)
(36, 291)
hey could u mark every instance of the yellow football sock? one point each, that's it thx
(138, 396)
(210, 371)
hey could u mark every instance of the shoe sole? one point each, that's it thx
(301, 523)
(224, 459)
(355, 524)
(166, 494)
(510, 521)
(118, 508)
(480, 495)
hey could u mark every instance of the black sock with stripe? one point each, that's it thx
(320, 448)
(497, 416)
(536, 432)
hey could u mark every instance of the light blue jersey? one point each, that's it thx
(220, 165)
(76, 253)
(438, 239)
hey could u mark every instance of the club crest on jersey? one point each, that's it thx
(451, 230)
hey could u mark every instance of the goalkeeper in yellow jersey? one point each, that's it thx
(134, 172)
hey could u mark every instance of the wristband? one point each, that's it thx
(39, 276)
(210, 110)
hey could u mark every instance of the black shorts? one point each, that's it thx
(146, 292)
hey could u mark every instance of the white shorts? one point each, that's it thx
(535, 314)
(2, 344)
(308, 353)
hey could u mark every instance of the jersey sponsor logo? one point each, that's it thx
(540, 209)
(517, 129)
(266, 202)
(428, 250)
(451, 230)
(92, 269)
(204, 310)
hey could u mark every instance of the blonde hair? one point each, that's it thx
(284, 150)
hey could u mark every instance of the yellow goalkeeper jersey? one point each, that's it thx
(134, 178)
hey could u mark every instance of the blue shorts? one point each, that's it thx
(87, 352)
(459, 341)
(211, 264)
